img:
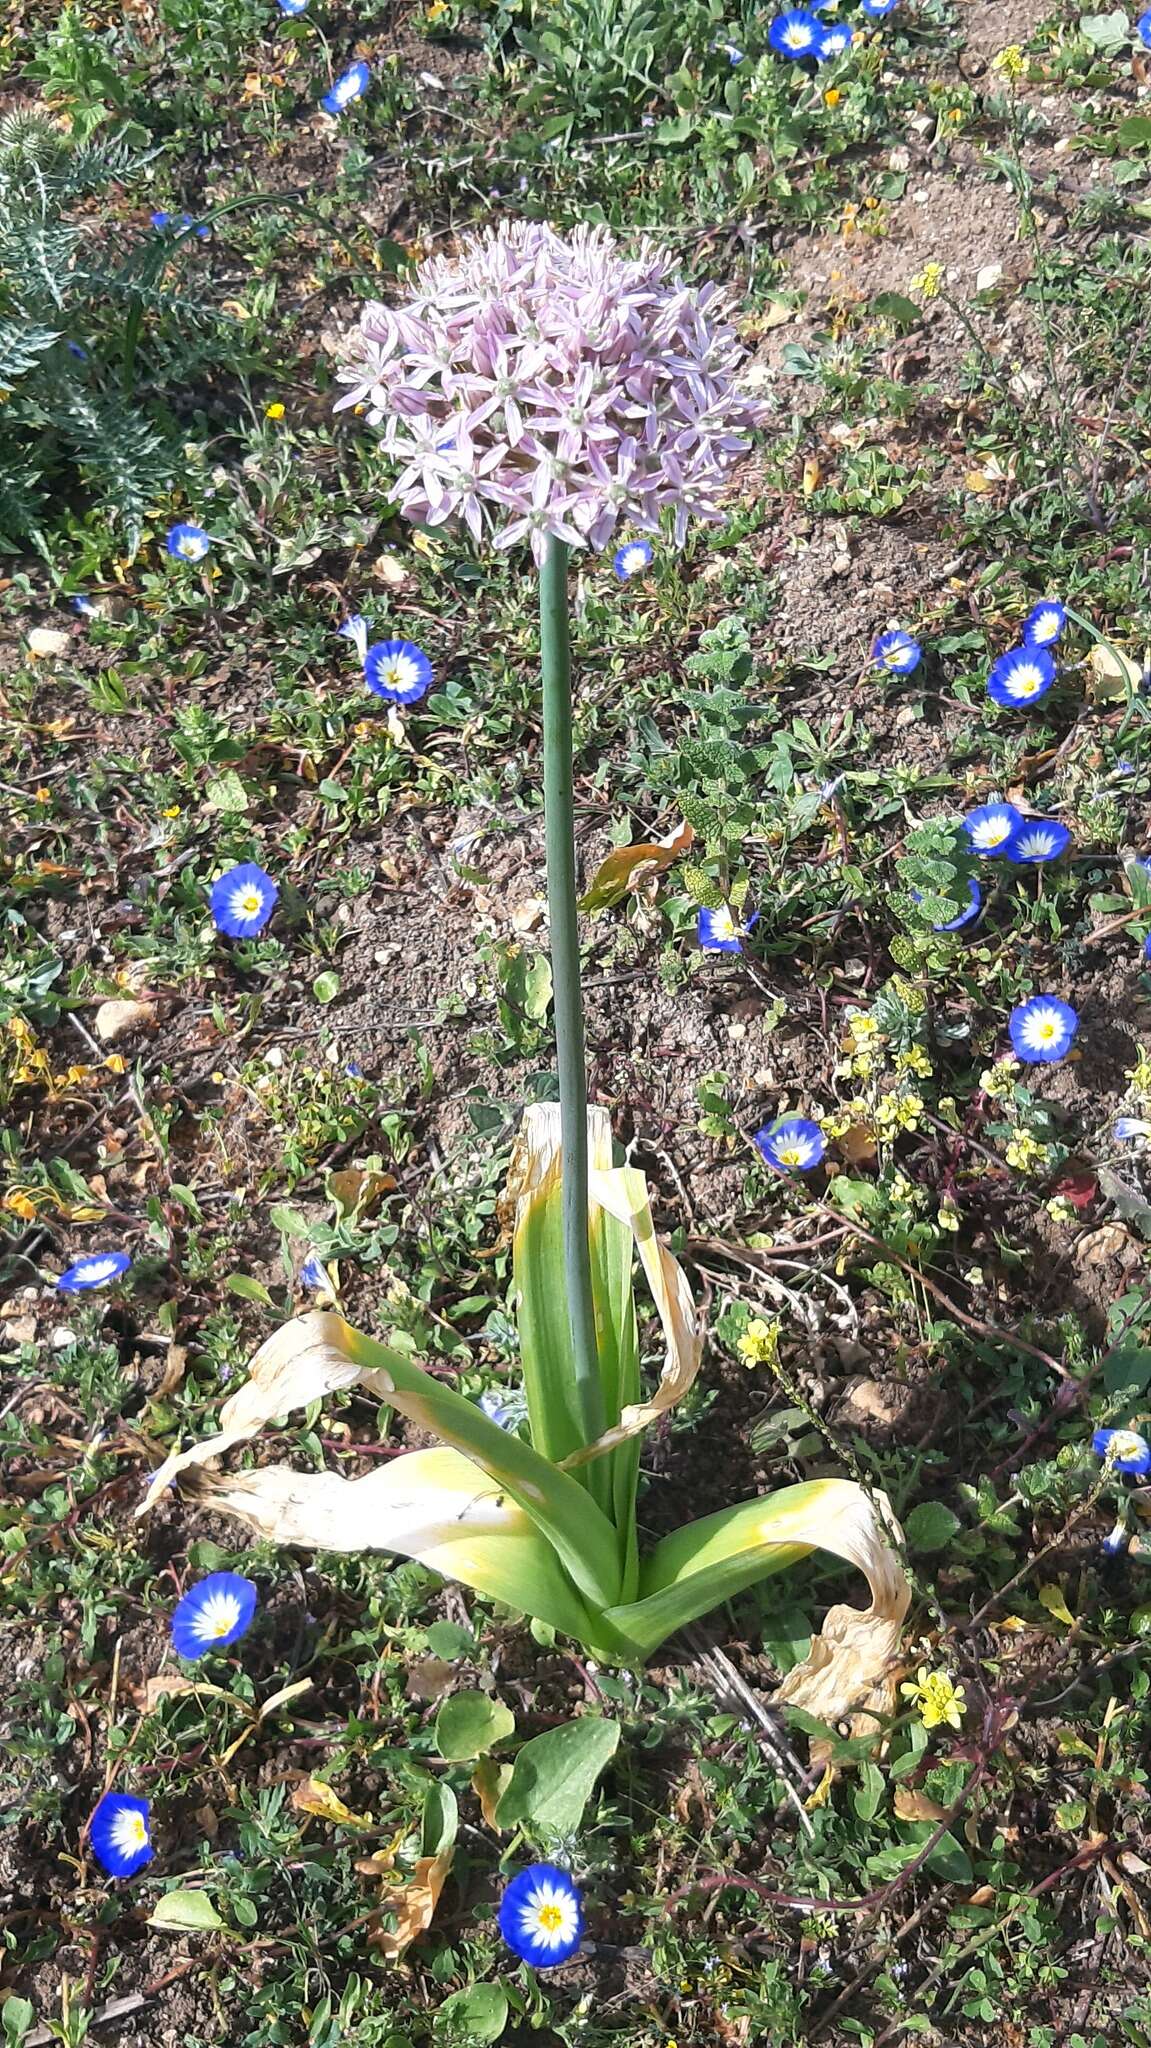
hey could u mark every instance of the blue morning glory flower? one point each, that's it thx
(1131, 1127)
(1038, 840)
(877, 8)
(991, 826)
(119, 1834)
(1021, 677)
(733, 53)
(834, 41)
(243, 900)
(189, 543)
(182, 222)
(795, 34)
(348, 87)
(1042, 1029)
(792, 1144)
(1044, 623)
(398, 670)
(973, 909)
(719, 932)
(1114, 1544)
(356, 629)
(495, 1407)
(897, 652)
(1124, 1449)
(631, 558)
(213, 1614)
(1143, 29)
(74, 349)
(314, 1274)
(97, 1270)
(85, 608)
(292, 7)
(540, 1916)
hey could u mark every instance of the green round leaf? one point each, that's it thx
(326, 986)
(469, 1724)
(930, 1526)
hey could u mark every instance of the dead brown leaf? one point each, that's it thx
(910, 1805)
(414, 1907)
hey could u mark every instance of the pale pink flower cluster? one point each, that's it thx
(554, 386)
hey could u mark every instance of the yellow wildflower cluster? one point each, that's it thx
(1139, 1081)
(936, 1699)
(863, 1045)
(929, 282)
(913, 1061)
(847, 1117)
(1026, 1154)
(759, 1344)
(948, 1217)
(999, 1080)
(1010, 63)
(33, 1068)
(895, 1113)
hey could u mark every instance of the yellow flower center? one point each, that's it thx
(250, 902)
(551, 1919)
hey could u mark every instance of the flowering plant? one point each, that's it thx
(563, 387)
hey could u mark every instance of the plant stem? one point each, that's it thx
(559, 822)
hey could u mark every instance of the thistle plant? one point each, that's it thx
(548, 390)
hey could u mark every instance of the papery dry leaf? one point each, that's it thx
(314, 1797)
(165, 1683)
(1115, 675)
(489, 1782)
(851, 1671)
(114, 1018)
(414, 1907)
(910, 1805)
(389, 571)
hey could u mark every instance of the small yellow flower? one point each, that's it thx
(20, 1205)
(998, 1081)
(759, 1344)
(948, 1218)
(274, 412)
(43, 796)
(116, 1063)
(173, 811)
(914, 1061)
(1026, 1154)
(936, 1699)
(832, 96)
(437, 10)
(1010, 63)
(929, 283)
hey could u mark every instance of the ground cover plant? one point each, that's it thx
(858, 821)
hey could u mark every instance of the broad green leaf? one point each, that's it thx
(326, 986)
(441, 1819)
(226, 792)
(894, 307)
(1134, 132)
(469, 1724)
(931, 1526)
(554, 1775)
(479, 2013)
(186, 1912)
(248, 1289)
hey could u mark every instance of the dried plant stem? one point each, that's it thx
(559, 818)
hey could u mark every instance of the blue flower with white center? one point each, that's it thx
(634, 556)
(897, 652)
(356, 629)
(119, 1833)
(1043, 1029)
(795, 34)
(188, 543)
(834, 41)
(98, 1270)
(1128, 1127)
(1021, 677)
(398, 670)
(1114, 1544)
(213, 1614)
(990, 828)
(348, 87)
(1143, 29)
(540, 1916)
(242, 901)
(85, 608)
(733, 53)
(292, 7)
(1039, 840)
(878, 8)
(1044, 623)
(792, 1145)
(314, 1274)
(1124, 1450)
(719, 932)
(973, 909)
